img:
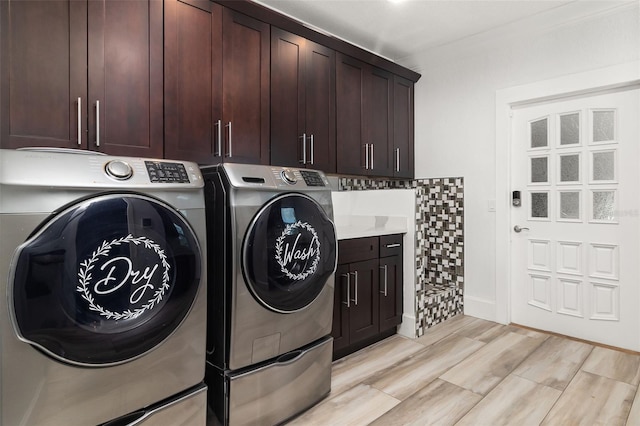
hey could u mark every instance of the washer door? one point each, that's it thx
(105, 280)
(289, 252)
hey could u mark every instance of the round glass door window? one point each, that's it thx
(106, 280)
(289, 252)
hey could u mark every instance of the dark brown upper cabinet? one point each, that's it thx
(216, 84)
(302, 103)
(403, 130)
(82, 74)
(364, 118)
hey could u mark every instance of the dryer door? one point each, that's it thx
(289, 252)
(105, 280)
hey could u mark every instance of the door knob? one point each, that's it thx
(517, 228)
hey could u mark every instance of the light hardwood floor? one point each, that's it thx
(467, 371)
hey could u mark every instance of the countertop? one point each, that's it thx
(358, 226)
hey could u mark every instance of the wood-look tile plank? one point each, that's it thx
(356, 367)
(408, 376)
(634, 414)
(499, 330)
(555, 362)
(478, 330)
(592, 400)
(515, 401)
(439, 403)
(444, 329)
(359, 405)
(616, 365)
(483, 370)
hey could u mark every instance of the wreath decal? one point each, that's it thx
(282, 262)
(84, 278)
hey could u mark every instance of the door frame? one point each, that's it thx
(614, 77)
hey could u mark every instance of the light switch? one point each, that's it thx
(491, 205)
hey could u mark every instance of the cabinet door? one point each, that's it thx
(340, 326)
(403, 132)
(287, 98)
(390, 292)
(379, 132)
(193, 80)
(43, 72)
(351, 94)
(320, 117)
(125, 68)
(246, 88)
(363, 312)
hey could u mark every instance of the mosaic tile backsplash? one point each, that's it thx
(439, 244)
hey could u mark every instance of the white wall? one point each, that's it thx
(455, 111)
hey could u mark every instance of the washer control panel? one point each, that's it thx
(286, 177)
(164, 172)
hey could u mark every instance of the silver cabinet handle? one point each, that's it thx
(355, 276)
(372, 156)
(230, 153)
(366, 156)
(385, 280)
(304, 149)
(394, 245)
(79, 121)
(312, 148)
(517, 228)
(397, 159)
(348, 302)
(218, 153)
(97, 123)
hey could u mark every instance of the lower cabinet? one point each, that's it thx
(368, 293)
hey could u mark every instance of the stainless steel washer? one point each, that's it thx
(103, 283)
(272, 245)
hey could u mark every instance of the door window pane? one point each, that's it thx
(539, 133)
(604, 166)
(603, 126)
(604, 205)
(539, 170)
(540, 204)
(570, 168)
(570, 129)
(570, 205)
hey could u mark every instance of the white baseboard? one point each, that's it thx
(480, 308)
(408, 326)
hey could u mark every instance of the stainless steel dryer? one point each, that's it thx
(103, 290)
(273, 247)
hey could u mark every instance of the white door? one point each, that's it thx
(576, 259)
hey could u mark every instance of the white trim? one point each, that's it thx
(480, 308)
(609, 78)
(408, 326)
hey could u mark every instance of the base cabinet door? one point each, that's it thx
(368, 293)
(363, 312)
(390, 295)
(340, 327)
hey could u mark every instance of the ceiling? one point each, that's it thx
(399, 29)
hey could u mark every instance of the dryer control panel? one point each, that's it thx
(160, 171)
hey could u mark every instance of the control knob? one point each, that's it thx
(118, 169)
(289, 176)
